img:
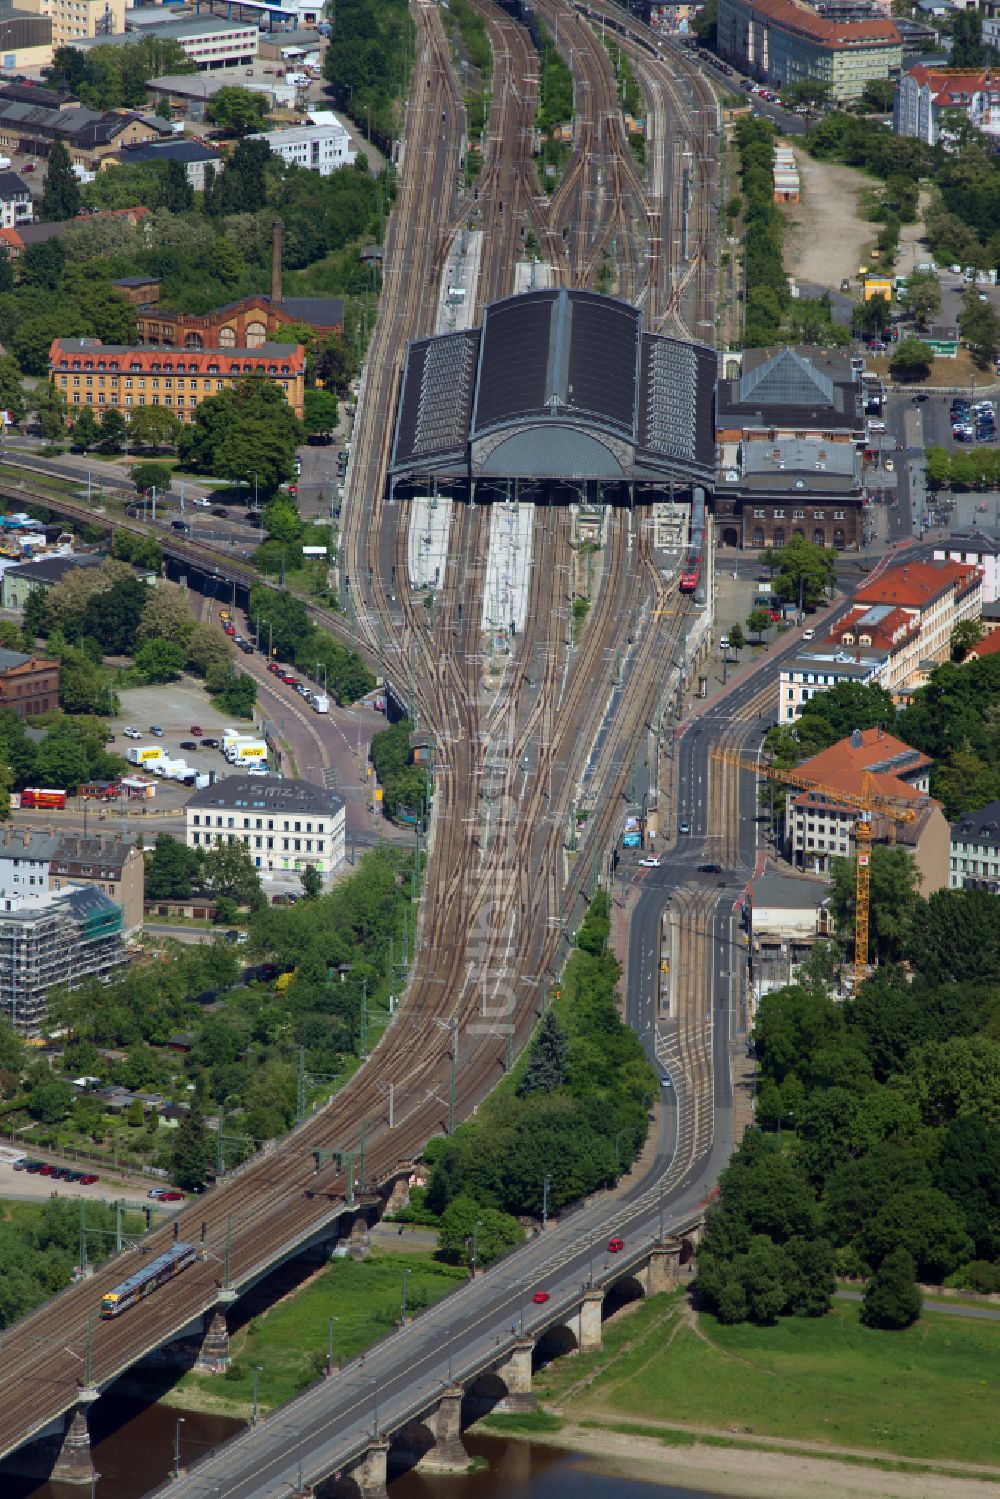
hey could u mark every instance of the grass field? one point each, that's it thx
(289, 1343)
(928, 1392)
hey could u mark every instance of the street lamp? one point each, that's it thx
(177, 1446)
(402, 1311)
(256, 1371)
(329, 1348)
(475, 1245)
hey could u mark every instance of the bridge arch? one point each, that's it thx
(483, 1395)
(408, 1446)
(345, 1487)
(555, 1342)
(621, 1293)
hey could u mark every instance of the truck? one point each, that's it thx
(320, 702)
(144, 754)
(42, 796)
(247, 751)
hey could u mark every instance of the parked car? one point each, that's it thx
(222, 514)
(156, 1193)
(131, 733)
(188, 744)
(197, 730)
(171, 1196)
(156, 731)
(202, 503)
(89, 1180)
(210, 744)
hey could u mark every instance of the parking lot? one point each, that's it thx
(178, 708)
(20, 1186)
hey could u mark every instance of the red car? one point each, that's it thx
(89, 1179)
(273, 666)
(171, 1197)
(46, 1170)
(230, 630)
(540, 1297)
(197, 730)
(615, 1246)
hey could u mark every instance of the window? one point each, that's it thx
(759, 514)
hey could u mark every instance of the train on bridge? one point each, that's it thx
(144, 1282)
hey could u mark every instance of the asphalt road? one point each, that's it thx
(979, 1313)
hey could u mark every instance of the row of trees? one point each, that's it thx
(405, 787)
(894, 1105)
(283, 622)
(576, 1112)
(765, 284)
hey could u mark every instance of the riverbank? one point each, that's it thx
(718, 1466)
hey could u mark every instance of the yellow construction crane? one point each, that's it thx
(893, 809)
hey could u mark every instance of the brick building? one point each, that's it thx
(245, 324)
(115, 867)
(98, 375)
(28, 684)
(790, 434)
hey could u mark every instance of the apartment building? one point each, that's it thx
(33, 863)
(61, 939)
(15, 201)
(785, 41)
(786, 916)
(819, 828)
(90, 373)
(208, 41)
(925, 93)
(322, 146)
(286, 825)
(75, 20)
(28, 684)
(936, 596)
(810, 672)
(979, 549)
(975, 851)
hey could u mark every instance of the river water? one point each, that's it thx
(138, 1454)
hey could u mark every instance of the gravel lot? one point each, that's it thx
(21, 1187)
(827, 235)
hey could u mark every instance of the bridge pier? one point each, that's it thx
(515, 1372)
(448, 1455)
(74, 1463)
(662, 1272)
(370, 1474)
(213, 1356)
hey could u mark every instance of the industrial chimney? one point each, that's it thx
(276, 261)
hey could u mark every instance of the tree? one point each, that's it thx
(546, 1068)
(924, 1222)
(61, 762)
(153, 427)
(804, 571)
(248, 433)
(282, 521)
(85, 430)
(737, 640)
(167, 616)
(955, 937)
(238, 111)
(50, 408)
(172, 869)
(11, 388)
(892, 1298)
(112, 616)
(758, 620)
(911, 359)
(229, 870)
(495, 1233)
(952, 1078)
(161, 660)
(177, 194)
(923, 291)
(811, 1281)
(980, 327)
(114, 431)
(848, 706)
(50, 1099)
(878, 95)
(207, 648)
(149, 476)
(192, 1152)
(312, 882)
(234, 692)
(321, 411)
(966, 634)
(893, 898)
(61, 191)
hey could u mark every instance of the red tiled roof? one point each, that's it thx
(914, 585)
(882, 633)
(948, 81)
(803, 19)
(842, 767)
(122, 358)
(988, 646)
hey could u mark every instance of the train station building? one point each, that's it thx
(560, 395)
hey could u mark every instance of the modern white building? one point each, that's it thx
(286, 825)
(975, 851)
(819, 670)
(210, 42)
(981, 550)
(322, 146)
(15, 201)
(927, 94)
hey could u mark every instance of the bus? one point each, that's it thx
(144, 1282)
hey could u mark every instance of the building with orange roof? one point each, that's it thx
(90, 373)
(937, 596)
(782, 42)
(925, 92)
(819, 828)
(988, 646)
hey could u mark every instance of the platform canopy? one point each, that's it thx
(556, 387)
